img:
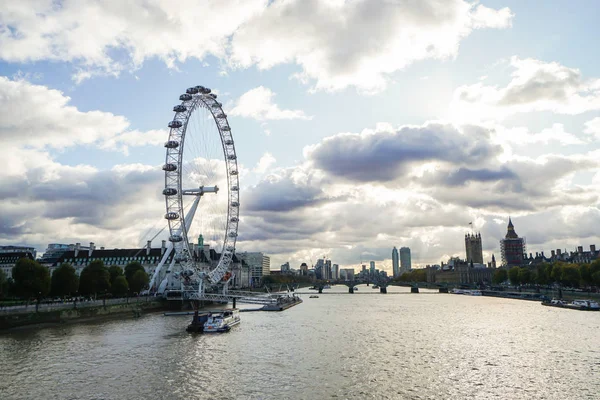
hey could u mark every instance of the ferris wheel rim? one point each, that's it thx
(195, 98)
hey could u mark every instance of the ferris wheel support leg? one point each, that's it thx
(160, 265)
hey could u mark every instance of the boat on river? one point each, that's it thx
(314, 296)
(467, 292)
(222, 321)
(581, 305)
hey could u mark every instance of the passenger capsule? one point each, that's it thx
(232, 234)
(175, 124)
(170, 192)
(214, 96)
(171, 216)
(226, 129)
(234, 219)
(235, 188)
(192, 90)
(231, 157)
(206, 90)
(180, 108)
(217, 105)
(201, 89)
(222, 115)
(185, 97)
(235, 204)
(169, 167)
(175, 238)
(228, 142)
(234, 172)
(171, 144)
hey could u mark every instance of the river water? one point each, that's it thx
(362, 346)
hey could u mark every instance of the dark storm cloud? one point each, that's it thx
(384, 155)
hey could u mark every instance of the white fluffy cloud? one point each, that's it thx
(266, 161)
(336, 43)
(521, 136)
(535, 86)
(258, 103)
(592, 128)
(358, 43)
(90, 33)
(39, 117)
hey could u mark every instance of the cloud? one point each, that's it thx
(535, 86)
(592, 128)
(360, 43)
(265, 162)
(521, 136)
(96, 36)
(39, 117)
(336, 44)
(386, 154)
(258, 103)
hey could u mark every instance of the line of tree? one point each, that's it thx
(572, 275)
(416, 275)
(31, 280)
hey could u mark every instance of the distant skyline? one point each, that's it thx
(359, 125)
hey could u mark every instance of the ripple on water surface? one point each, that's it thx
(425, 346)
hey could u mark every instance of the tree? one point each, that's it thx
(65, 281)
(556, 274)
(131, 269)
(3, 284)
(138, 281)
(513, 275)
(115, 271)
(94, 279)
(543, 273)
(524, 276)
(119, 286)
(570, 276)
(586, 274)
(31, 279)
(500, 276)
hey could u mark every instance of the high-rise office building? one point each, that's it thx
(395, 263)
(372, 268)
(335, 271)
(405, 263)
(473, 248)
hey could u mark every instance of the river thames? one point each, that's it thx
(394, 346)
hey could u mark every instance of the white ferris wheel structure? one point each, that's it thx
(201, 196)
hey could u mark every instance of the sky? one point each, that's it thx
(359, 125)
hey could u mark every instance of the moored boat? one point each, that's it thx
(222, 321)
(581, 305)
(314, 296)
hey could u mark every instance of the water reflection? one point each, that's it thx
(345, 346)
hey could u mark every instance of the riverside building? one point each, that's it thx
(512, 247)
(473, 248)
(405, 262)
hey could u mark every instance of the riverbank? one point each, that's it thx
(83, 314)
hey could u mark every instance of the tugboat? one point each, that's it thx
(222, 321)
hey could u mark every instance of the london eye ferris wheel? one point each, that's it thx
(201, 189)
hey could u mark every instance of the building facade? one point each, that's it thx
(9, 258)
(458, 271)
(395, 263)
(473, 248)
(405, 260)
(512, 247)
(259, 266)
